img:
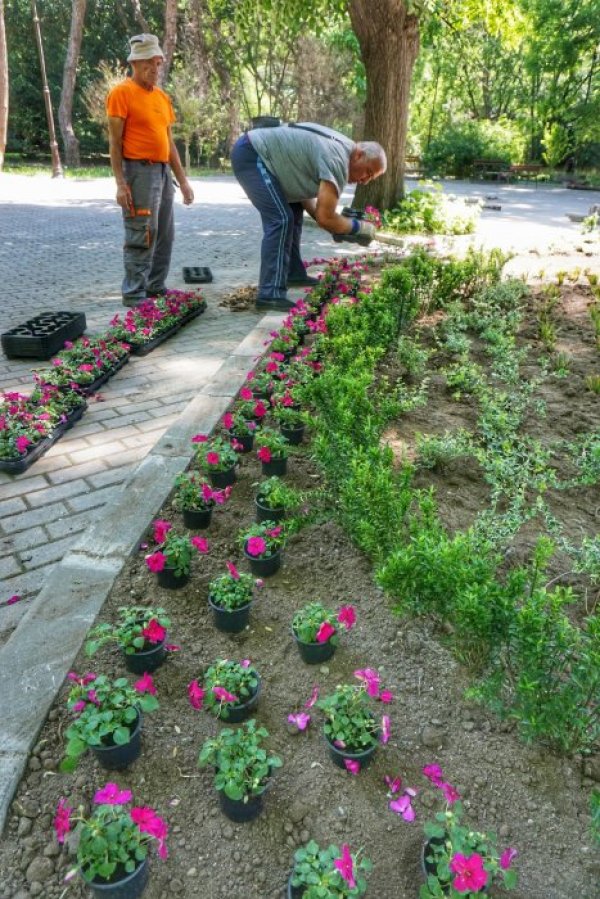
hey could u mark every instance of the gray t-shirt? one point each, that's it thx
(301, 159)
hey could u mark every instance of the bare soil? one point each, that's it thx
(537, 801)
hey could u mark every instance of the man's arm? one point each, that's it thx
(325, 210)
(115, 137)
(175, 163)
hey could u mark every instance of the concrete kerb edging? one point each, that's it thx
(50, 635)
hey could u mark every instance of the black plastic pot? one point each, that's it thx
(171, 581)
(314, 653)
(115, 758)
(339, 756)
(277, 466)
(146, 660)
(294, 892)
(230, 622)
(264, 567)
(239, 811)
(122, 885)
(197, 518)
(293, 435)
(246, 440)
(238, 713)
(222, 478)
(264, 513)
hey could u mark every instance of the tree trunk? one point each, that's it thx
(170, 38)
(65, 110)
(139, 16)
(389, 41)
(3, 86)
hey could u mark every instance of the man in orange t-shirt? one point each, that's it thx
(142, 154)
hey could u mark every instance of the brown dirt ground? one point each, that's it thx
(536, 800)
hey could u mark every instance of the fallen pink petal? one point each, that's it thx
(351, 766)
(301, 720)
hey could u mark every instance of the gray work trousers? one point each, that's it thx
(149, 232)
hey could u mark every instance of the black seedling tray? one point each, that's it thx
(197, 274)
(142, 349)
(21, 464)
(43, 336)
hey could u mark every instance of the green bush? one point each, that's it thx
(454, 150)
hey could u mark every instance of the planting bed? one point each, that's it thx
(536, 800)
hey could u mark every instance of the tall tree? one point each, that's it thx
(169, 38)
(3, 86)
(139, 15)
(65, 109)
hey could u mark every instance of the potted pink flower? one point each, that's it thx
(113, 844)
(217, 457)
(272, 452)
(172, 561)
(315, 630)
(262, 544)
(457, 861)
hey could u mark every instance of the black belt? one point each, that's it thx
(144, 161)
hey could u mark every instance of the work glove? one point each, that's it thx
(365, 234)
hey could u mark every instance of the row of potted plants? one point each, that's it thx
(30, 425)
(457, 862)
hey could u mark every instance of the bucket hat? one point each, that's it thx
(144, 46)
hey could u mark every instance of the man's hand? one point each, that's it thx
(124, 198)
(187, 193)
(365, 234)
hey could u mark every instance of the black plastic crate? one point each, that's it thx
(43, 336)
(197, 274)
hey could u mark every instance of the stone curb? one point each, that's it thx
(50, 635)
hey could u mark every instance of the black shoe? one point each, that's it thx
(306, 281)
(274, 303)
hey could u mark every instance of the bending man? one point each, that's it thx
(142, 154)
(292, 168)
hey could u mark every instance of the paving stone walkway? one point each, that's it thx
(68, 524)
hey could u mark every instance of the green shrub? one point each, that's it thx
(454, 150)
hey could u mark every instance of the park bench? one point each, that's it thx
(494, 169)
(528, 170)
(413, 167)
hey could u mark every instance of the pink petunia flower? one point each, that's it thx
(195, 694)
(207, 493)
(233, 571)
(255, 546)
(161, 529)
(228, 421)
(112, 795)
(313, 697)
(402, 805)
(145, 685)
(301, 720)
(224, 695)
(200, 543)
(260, 410)
(470, 873)
(434, 774)
(93, 697)
(62, 820)
(275, 532)
(506, 859)
(347, 617)
(156, 561)
(371, 679)
(200, 438)
(385, 729)
(212, 458)
(325, 632)
(172, 647)
(352, 766)
(22, 443)
(149, 822)
(246, 393)
(78, 706)
(451, 794)
(82, 679)
(264, 454)
(345, 866)
(154, 632)
(245, 663)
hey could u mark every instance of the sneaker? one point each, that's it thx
(306, 281)
(274, 303)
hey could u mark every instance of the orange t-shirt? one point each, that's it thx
(147, 115)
